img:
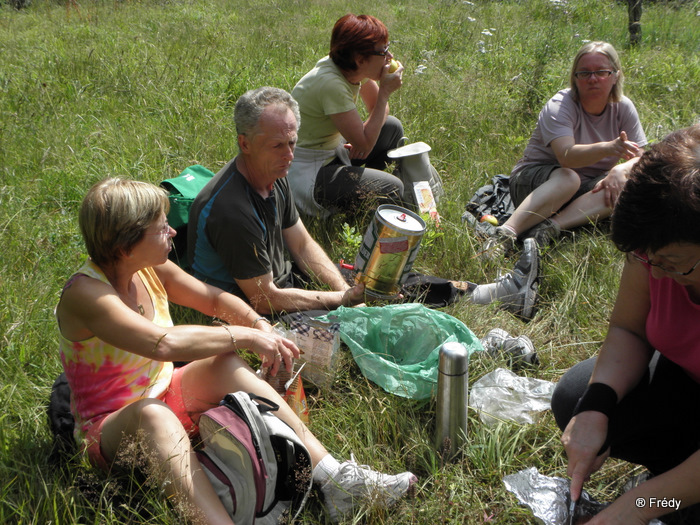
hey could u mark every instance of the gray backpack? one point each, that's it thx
(258, 465)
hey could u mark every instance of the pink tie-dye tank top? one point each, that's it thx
(104, 378)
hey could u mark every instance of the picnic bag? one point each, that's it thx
(491, 199)
(182, 190)
(257, 464)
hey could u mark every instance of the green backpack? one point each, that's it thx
(183, 189)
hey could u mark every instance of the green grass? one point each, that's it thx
(146, 88)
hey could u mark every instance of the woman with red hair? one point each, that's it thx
(339, 158)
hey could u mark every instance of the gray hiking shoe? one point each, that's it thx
(498, 340)
(517, 290)
(519, 350)
(354, 484)
(500, 244)
(544, 233)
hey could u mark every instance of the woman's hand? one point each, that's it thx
(390, 82)
(274, 350)
(623, 511)
(355, 153)
(623, 148)
(583, 438)
(612, 185)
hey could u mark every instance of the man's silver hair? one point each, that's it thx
(252, 103)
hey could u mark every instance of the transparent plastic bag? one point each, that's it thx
(502, 395)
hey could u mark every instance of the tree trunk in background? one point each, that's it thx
(634, 12)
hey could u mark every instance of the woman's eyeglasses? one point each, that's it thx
(165, 231)
(646, 260)
(601, 73)
(381, 53)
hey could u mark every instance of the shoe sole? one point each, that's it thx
(531, 285)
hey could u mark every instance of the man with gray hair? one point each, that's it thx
(245, 217)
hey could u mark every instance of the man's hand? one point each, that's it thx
(354, 296)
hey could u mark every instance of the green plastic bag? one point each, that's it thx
(397, 346)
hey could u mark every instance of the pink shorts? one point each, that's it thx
(172, 397)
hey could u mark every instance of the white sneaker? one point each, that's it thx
(354, 484)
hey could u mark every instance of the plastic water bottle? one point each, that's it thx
(453, 388)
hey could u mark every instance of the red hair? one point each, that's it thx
(356, 35)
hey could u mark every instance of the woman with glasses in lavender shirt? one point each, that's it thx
(570, 173)
(639, 400)
(339, 159)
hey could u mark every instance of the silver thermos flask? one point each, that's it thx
(452, 395)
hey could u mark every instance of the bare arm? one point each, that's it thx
(572, 155)
(622, 361)
(91, 308)
(362, 136)
(311, 258)
(186, 290)
(266, 297)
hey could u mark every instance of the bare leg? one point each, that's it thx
(206, 382)
(544, 200)
(152, 427)
(588, 207)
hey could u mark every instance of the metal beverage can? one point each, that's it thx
(388, 250)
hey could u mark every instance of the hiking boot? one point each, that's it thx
(544, 233)
(500, 244)
(517, 290)
(354, 484)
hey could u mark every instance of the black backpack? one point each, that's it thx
(491, 199)
(61, 422)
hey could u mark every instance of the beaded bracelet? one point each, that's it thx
(233, 339)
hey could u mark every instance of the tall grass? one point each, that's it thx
(146, 88)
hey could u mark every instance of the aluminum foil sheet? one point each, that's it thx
(548, 498)
(502, 395)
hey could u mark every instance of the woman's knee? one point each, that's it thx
(393, 129)
(569, 389)
(151, 414)
(143, 418)
(567, 179)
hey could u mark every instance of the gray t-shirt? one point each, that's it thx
(562, 117)
(235, 233)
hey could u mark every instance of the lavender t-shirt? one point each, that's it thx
(562, 117)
